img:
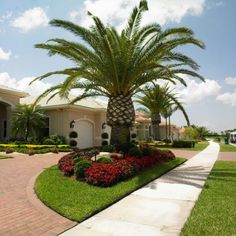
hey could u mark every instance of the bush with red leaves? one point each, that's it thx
(102, 174)
(65, 164)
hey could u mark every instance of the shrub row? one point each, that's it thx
(183, 144)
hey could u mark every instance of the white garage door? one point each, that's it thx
(85, 133)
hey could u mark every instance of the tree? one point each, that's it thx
(167, 113)
(158, 100)
(116, 65)
(27, 121)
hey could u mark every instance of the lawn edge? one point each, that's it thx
(110, 204)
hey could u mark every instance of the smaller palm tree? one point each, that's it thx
(27, 121)
(158, 100)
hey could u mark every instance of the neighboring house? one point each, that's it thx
(143, 128)
(8, 99)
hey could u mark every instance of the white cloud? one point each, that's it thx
(6, 16)
(4, 55)
(31, 19)
(161, 11)
(196, 90)
(230, 80)
(228, 98)
(73, 15)
(35, 89)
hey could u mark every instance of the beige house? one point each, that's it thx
(143, 128)
(8, 99)
(86, 117)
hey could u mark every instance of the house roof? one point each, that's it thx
(8, 90)
(58, 102)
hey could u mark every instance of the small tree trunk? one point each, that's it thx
(169, 129)
(166, 129)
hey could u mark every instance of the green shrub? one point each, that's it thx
(54, 150)
(9, 150)
(108, 148)
(81, 167)
(183, 144)
(49, 141)
(31, 152)
(77, 160)
(106, 160)
(104, 143)
(58, 139)
(147, 151)
(73, 134)
(73, 143)
(135, 151)
(105, 135)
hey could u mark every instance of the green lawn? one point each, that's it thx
(5, 157)
(77, 200)
(227, 148)
(215, 210)
(198, 146)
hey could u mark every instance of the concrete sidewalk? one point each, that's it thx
(159, 208)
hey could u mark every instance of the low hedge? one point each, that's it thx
(38, 149)
(183, 144)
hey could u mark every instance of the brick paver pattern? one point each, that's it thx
(21, 212)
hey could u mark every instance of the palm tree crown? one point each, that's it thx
(159, 100)
(27, 121)
(116, 65)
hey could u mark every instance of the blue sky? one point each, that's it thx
(213, 104)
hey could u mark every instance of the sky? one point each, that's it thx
(212, 104)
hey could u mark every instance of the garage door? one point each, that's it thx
(85, 134)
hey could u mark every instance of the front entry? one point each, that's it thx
(4, 119)
(85, 131)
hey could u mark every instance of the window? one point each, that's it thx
(45, 130)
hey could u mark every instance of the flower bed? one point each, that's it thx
(107, 174)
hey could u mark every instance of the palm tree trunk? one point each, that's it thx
(166, 129)
(156, 120)
(120, 116)
(169, 129)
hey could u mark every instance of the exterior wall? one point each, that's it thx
(60, 119)
(7, 103)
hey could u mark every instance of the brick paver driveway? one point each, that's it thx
(21, 213)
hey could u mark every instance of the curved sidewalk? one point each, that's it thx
(21, 212)
(159, 208)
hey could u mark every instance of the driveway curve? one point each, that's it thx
(21, 212)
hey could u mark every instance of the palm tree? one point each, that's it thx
(27, 121)
(167, 114)
(116, 65)
(158, 99)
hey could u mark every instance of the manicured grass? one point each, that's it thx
(215, 210)
(227, 148)
(5, 157)
(78, 200)
(198, 146)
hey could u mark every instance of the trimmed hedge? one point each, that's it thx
(183, 144)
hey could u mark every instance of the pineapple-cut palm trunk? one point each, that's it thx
(120, 116)
(156, 120)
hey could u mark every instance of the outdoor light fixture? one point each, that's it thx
(104, 125)
(72, 124)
